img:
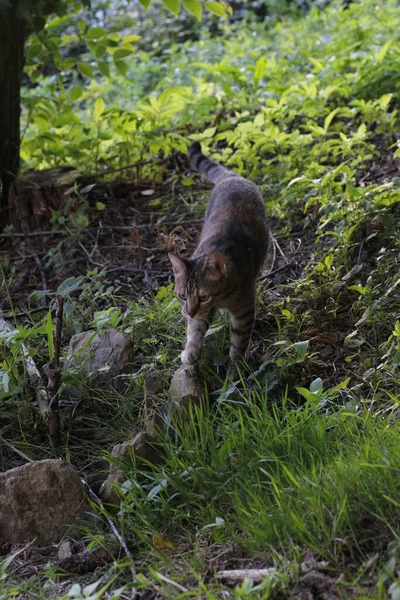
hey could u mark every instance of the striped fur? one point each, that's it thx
(222, 271)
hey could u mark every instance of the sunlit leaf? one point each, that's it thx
(172, 5)
(380, 55)
(194, 7)
(122, 53)
(98, 107)
(259, 69)
(221, 9)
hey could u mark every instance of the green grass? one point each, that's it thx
(270, 479)
(279, 473)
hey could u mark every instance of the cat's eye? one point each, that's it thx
(182, 296)
(204, 297)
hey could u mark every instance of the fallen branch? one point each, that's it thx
(235, 575)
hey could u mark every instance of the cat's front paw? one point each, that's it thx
(232, 372)
(189, 356)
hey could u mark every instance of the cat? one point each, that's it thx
(222, 271)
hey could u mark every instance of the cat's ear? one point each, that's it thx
(214, 267)
(178, 264)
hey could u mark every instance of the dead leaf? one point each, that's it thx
(161, 543)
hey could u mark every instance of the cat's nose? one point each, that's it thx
(191, 311)
(191, 308)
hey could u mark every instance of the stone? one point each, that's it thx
(142, 449)
(186, 387)
(64, 550)
(39, 500)
(101, 357)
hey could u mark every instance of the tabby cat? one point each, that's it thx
(222, 271)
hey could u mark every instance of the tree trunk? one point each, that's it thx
(13, 31)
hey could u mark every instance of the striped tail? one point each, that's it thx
(212, 170)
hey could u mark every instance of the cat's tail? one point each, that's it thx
(212, 170)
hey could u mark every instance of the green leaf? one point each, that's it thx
(100, 50)
(122, 67)
(100, 205)
(194, 7)
(82, 26)
(95, 33)
(92, 46)
(220, 9)
(70, 285)
(309, 396)
(85, 69)
(145, 3)
(103, 68)
(209, 132)
(380, 55)
(316, 385)
(98, 107)
(68, 63)
(131, 38)
(172, 5)
(122, 53)
(114, 37)
(330, 117)
(259, 70)
(76, 93)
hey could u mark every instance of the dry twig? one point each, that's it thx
(115, 531)
(16, 450)
(52, 371)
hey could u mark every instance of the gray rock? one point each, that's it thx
(98, 358)
(186, 386)
(142, 449)
(186, 389)
(39, 500)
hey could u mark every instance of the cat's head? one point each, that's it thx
(198, 282)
